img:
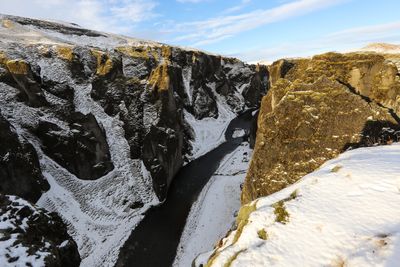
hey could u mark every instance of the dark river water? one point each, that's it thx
(153, 243)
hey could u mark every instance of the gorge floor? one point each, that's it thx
(155, 239)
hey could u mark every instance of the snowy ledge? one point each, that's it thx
(347, 213)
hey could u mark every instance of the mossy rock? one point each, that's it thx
(304, 122)
(159, 79)
(144, 52)
(6, 23)
(18, 66)
(65, 52)
(104, 62)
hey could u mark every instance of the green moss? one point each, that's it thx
(262, 234)
(104, 62)
(242, 219)
(282, 216)
(231, 259)
(18, 66)
(336, 168)
(3, 59)
(144, 52)
(293, 195)
(65, 52)
(159, 78)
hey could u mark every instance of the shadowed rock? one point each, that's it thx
(20, 172)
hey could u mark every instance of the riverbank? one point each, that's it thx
(212, 215)
(155, 239)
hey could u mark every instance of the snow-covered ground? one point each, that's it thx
(15, 222)
(211, 216)
(35, 34)
(347, 213)
(382, 48)
(209, 132)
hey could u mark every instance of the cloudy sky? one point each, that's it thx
(249, 29)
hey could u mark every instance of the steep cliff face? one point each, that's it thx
(19, 165)
(112, 120)
(317, 108)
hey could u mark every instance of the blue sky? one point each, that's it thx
(248, 29)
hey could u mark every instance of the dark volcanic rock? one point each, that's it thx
(30, 89)
(20, 172)
(82, 148)
(34, 237)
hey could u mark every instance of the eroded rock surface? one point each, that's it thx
(318, 108)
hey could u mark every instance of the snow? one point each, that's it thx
(10, 247)
(186, 77)
(212, 214)
(345, 214)
(382, 48)
(97, 213)
(34, 34)
(210, 132)
(238, 133)
(20, 251)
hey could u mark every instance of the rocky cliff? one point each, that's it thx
(317, 108)
(107, 121)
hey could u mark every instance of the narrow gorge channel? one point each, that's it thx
(155, 240)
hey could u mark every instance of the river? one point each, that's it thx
(154, 241)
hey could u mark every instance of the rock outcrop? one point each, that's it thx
(317, 108)
(20, 171)
(33, 237)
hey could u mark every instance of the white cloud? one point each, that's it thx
(214, 29)
(346, 40)
(236, 8)
(134, 11)
(119, 16)
(367, 32)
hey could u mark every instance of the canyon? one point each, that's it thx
(124, 147)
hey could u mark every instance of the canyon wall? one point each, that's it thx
(95, 126)
(316, 109)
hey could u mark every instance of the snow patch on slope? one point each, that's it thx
(212, 214)
(10, 247)
(33, 32)
(98, 213)
(382, 48)
(344, 214)
(210, 132)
